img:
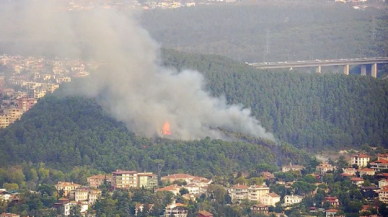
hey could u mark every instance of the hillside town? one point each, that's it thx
(24, 80)
(266, 193)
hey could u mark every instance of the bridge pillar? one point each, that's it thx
(319, 69)
(374, 70)
(363, 70)
(346, 69)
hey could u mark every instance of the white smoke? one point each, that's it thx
(133, 86)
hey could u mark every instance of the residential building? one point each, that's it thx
(292, 199)
(333, 201)
(67, 207)
(175, 210)
(287, 168)
(174, 177)
(25, 103)
(172, 188)
(193, 189)
(324, 167)
(66, 187)
(331, 212)
(256, 192)
(124, 179)
(94, 194)
(379, 165)
(4, 121)
(201, 181)
(260, 208)
(268, 175)
(81, 194)
(239, 192)
(360, 160)
(270, 199)
(97, 180)
(147, 180)
(139, 207)
(350, 171)
(382, 156)
(13, 114)
(383, 195)
(366, 171)
(4, 195)
(383, 183)
(9, 215)
(357, 181)
(204, 214)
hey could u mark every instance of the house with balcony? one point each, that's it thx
(360, 160)
(378, 165)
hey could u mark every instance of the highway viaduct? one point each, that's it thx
(328, 62)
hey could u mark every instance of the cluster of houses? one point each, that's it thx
(24, 80)
(84, 196)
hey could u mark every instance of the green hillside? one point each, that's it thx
(73, 131)
(309, 111)
(313, 111)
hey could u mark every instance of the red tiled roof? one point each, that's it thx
(205, 213)
(347, 175)
(381, 161)
(332, 210)
(356, 179)
(118, 172)
(366, 170)
(361, 156)
(238, 186)
(273, 195)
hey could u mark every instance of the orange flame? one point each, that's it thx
(166, 129)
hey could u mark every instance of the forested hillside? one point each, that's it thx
(74, 131)
(313, 111)
(309, 111)
(273, 31)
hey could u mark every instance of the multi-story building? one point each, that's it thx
(94, 194)
(382, 156)
(360, 160)
(26, 103)
(13, 114)
(175, 210)
(260, 208)
(239, 192)
(383, 195)
(270, 199)
(332, 200)
(379, 165)
(174, 177)
(81, 194)
(324, 167)
(292, 199)
(366, 171)
(256, 192)
(97, 180)
(4, 121)
(66, 187)
(147, 180)
(383, 183)
(124, 179)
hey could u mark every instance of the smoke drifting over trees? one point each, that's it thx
(132, 85)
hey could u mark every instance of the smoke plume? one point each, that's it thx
(132, 85)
